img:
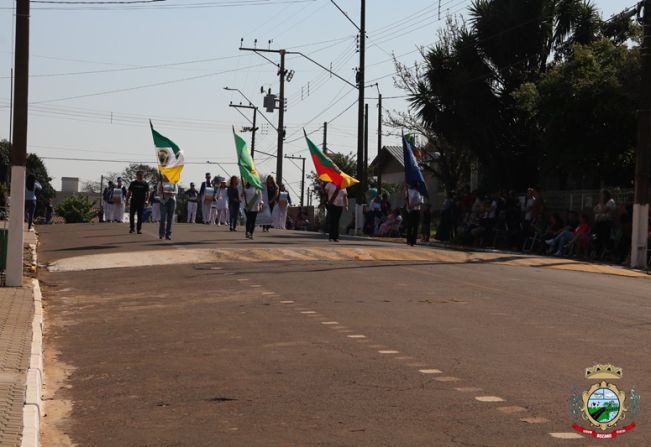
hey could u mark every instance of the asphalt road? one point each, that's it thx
(329, 352)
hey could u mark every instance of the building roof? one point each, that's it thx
(387, 153)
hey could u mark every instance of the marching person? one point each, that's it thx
(155, 205)
(272, 197)
(233, 203)
(205, 204)
(221, 198)
(252, 205)
(279, 214)
(414, 201)
(193, 196)
(119, 200)
(137, 196)
(167, 192)
(108, 206)
(337, 200)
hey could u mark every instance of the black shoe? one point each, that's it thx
(139, 232)
(336, 240)
(131, 231)
(169, 238)
(160, 237)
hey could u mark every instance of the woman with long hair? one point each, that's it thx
(272, 197)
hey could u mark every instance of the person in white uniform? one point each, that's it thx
(119, 197)
(193, 196)
(206, 203)
(221, 198)
(279, 214)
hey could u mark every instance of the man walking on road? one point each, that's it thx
(193, 197)
(414, 202)
(167, 193)
(137, 196)
(337, 201)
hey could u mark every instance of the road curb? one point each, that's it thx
(32, 408)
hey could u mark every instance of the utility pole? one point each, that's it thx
(379, 133)
(291, 157)
(101, 200)
(281, 118)
(253, 129)
(361, 167)
(19, 148)
(282, 73)
(325, 137)
(366, 140)
(639, 240)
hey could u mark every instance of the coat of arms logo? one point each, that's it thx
(606, 408)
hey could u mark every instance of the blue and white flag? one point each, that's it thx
(413, 174)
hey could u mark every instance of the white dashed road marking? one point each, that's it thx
(287, 302)
(329, 322)
(430, 371)
(308, 312)
(356, 336)
(468, 389)
(447, 379)
(389, 352)
(489, 399)
(569, 435)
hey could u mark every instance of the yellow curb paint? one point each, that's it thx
(430, 371)
(489, 399)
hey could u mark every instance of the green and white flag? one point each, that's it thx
(170, 156)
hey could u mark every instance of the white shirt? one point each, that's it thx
(249, 194)
(330, 189)
(415, 199)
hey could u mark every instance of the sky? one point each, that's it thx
(99, 73)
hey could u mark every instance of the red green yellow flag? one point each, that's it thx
(327, 170)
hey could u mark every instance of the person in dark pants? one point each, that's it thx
(32, 186)
(137, 196)
(233, 203)
(167, 192)
(337, 200)
(252, 204)
(414, 201)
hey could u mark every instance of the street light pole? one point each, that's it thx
(281, 119)
(19, 148)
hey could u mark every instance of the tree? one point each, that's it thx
(466, 96)
(77, 209)
(585, 111)
(151, 173)
(35, 166)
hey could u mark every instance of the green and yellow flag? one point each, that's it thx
(170, 156)
(245, 162)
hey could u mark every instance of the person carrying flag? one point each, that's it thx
(171, 161)
(415, 192)
(336, 181)
(252, 191)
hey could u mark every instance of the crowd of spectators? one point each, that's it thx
(525, 223)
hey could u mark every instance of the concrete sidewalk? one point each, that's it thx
(17, 316)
